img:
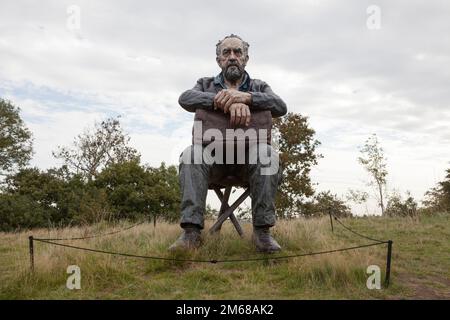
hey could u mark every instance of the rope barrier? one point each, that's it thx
(117, 253)
(377, 242)
(209, 261)
(358, 234)
(388, 242)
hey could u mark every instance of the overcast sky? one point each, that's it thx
(351, 73)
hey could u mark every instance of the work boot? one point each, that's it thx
(264, 241)
(189, 239)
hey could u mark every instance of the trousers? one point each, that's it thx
(199, 167)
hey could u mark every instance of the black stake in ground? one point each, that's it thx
(388, 263)
(331, 219)
(31, 244)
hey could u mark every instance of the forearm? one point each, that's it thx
(192, 100)
(268, 101)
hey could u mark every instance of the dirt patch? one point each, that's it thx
(423, 288)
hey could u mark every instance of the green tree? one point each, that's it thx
(95, 149)
(166, 190)
(91, 205)
(445, 185)
(63, 198)
(325, 201)
(137, 191)
(297, 150)
(437, 199)
(42, 188)
(358, 197)
(397, 207)
(15, 139)
(374, 161)
(19, 212)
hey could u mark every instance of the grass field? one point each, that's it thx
(420, 263)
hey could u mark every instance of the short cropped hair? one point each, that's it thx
(245, 44)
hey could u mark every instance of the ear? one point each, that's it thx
(246, 59)
(218, 61)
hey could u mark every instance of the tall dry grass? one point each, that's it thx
(106, 276)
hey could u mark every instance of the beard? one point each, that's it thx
(233, 73)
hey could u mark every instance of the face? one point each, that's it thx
(232, 59)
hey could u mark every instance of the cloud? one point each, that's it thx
(134, 59)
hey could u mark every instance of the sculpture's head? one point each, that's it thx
(232, 57)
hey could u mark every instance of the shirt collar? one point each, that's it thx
(243, 87)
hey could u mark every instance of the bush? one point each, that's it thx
(396, 207)
(438, 198)
(48, 198)
(325, 201)
(20, 212)
(321, 205)
(94, 207)
(34, 198)
(136, 191)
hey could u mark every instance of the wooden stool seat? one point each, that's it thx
(229, 181)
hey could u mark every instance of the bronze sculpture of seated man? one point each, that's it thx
(238, 97)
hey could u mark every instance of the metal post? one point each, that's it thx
(30, 238)
(388, 263)
(331, 219)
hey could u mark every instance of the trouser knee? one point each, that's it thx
(264, 158)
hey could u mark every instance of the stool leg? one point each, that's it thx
(236, 224)
(229, 212)
(226, 197)
(233, 219)
(223, 206)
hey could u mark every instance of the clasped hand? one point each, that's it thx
(236, 103)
